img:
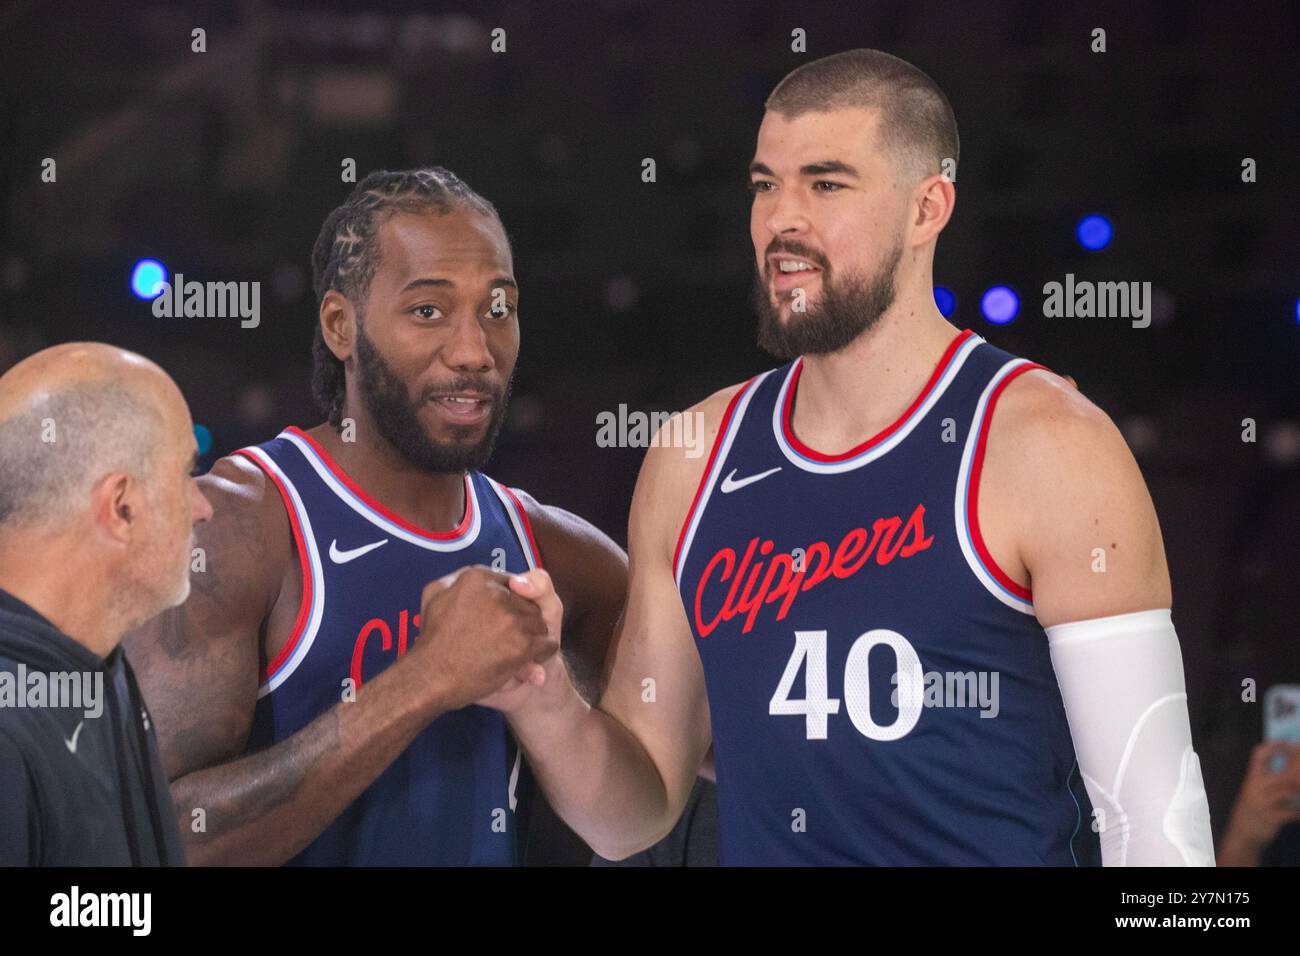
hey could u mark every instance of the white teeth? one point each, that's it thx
(789, 265)
(461, 401)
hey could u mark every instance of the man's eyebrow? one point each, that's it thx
(418, 283)
(823, 168)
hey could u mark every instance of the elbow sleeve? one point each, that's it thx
(1125, 697)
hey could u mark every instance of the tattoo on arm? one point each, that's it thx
(239, 794)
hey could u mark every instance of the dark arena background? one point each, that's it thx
(1167, 158)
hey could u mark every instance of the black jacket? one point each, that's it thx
(77, 790)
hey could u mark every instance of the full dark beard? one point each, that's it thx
(847, 308)
(397, 416)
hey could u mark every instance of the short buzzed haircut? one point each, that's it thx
(53, 452)
(917, 126)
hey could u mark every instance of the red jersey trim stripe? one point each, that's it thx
(787, 410)
(524, 521)
(300, 544)
(458, 532)
(972, 493)
(706, 478)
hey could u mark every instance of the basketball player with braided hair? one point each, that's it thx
(330, 693)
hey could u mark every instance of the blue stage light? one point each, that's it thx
(146, 277)
(1094, 232)
(1000, 304)
(945, 300)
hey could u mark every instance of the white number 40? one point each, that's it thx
(816, 707)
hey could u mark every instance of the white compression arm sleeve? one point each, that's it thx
(1122, 684)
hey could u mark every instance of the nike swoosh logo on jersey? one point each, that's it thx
(343, 557)
(730, 484)
(71, 742)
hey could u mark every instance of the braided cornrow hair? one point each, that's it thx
(346, 252)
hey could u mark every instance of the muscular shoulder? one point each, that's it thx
(1055, 436)
(710, 414)
(235, 577)
(571, 546)
(248, 519)
(1084, 522)
(198, 663)
(241, 486)
(673, 469)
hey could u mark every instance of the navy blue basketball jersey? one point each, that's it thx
(450, 797)
(880, 691)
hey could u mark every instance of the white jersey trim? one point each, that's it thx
(389, 527)
(961, 517)
(317, 613)
(724, 449)
(508, 506)
(955, 364)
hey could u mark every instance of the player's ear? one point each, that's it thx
(933, 199)
(338, 324)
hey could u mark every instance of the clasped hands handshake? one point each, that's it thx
(491, 638)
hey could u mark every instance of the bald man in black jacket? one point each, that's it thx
(97, 508)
